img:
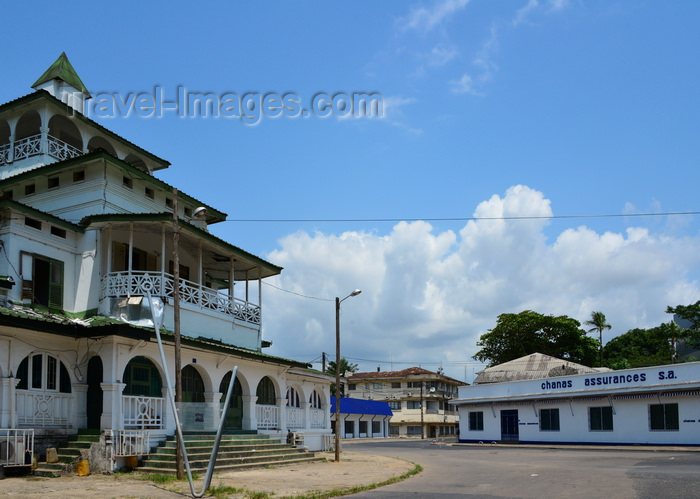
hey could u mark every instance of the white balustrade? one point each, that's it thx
(295, 418)
(131, 442)
(143, 412)
(268, 416)
(31, 146)
(137, 283)
(62, 150)
(43, 409)
(317, 418)
(4, 154)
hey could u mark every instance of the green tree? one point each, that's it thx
(691, 313)
(640, 348)
(599, 324)
(517, 335)
(345, 367)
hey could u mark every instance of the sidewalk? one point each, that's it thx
(354, 470)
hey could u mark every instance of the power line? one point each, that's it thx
(462, 219)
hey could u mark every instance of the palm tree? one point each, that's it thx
(598, 323)
(345, 367)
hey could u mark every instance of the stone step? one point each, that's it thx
(230, 466)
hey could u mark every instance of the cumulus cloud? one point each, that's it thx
(427, 296)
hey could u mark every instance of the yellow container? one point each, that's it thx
(83, 468)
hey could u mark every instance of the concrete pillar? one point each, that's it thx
(79, 408)
(250, 421)
(112, 415)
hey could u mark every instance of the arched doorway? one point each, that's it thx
(94, 393)
(234, 413)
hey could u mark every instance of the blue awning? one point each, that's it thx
(361, 406)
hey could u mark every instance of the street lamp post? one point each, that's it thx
(338, 301)
(179, 458)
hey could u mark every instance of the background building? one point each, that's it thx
(362, 418)
(419, 399)
(657, 405)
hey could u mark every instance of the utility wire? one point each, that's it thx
(462, 219)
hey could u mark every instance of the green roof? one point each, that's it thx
(63, 70)
(98, 325)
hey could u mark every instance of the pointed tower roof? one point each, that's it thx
(63, 70)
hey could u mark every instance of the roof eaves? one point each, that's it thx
(9, 203)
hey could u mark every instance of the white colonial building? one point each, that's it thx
(87, 233)
(657, 405)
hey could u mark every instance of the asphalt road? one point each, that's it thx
(452, 471)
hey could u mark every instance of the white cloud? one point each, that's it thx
(427, 296)
(426, 19)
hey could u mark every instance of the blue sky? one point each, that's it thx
(491, 109)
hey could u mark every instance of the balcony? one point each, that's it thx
(33, 146)
(160, 284)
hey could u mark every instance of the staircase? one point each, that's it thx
(236, 451)
(68, 454)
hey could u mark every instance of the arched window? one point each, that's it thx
(315, 400)
(292, 398)
(142, 378)
(266, 392)
(43, 371)
(192, 385)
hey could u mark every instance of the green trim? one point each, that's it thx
(11, 204)
(106, 326)
(63, 70)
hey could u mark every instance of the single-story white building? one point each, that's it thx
(362, 418)
(657, 405)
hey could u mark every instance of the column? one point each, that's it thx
(79, 410)
(281, 406)
(250, 420)
(212, 399)
(112, 410)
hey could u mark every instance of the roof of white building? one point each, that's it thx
(533, 366)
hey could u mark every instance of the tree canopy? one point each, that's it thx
(517, 335)
(345, 367)
(640, 348)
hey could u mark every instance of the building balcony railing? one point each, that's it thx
(32, 146)
(138, 283)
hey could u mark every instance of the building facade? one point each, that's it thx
(657, 405)
(362, 418)
(89, 240)
(420, 400)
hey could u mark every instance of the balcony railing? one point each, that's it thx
(31, 146)
(137, 283)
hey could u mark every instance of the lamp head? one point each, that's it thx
(356, 292)
(199, 212)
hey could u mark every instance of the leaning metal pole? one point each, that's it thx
(178, 426)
